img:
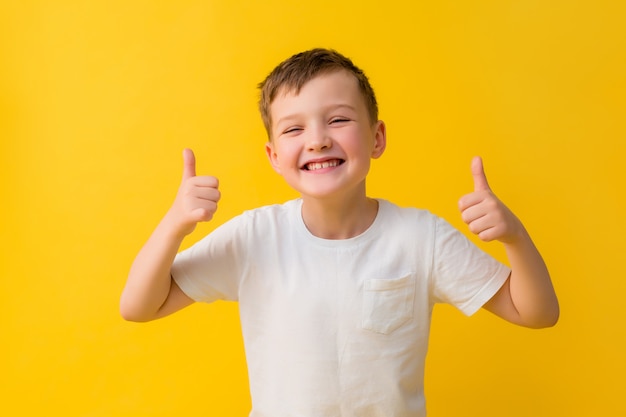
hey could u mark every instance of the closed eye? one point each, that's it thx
(339, 120)
(292, 130)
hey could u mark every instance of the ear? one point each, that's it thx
(272, 156)
(380, 139)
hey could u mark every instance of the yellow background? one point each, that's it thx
(98, 98)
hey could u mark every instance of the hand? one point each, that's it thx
(196, 200)
(485, 214)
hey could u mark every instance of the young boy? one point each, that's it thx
(335, 289)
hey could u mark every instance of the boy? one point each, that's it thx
(335, 289)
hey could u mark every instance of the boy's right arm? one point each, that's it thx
(150, 291)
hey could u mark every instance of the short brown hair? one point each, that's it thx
(297, 70)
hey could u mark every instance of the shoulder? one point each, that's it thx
(266, 219)
(252, 226)
(415, 224)
(274, 209)
(394, 213)
(272, 212)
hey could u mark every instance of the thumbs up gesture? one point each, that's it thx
(486, 216)
(196, 200)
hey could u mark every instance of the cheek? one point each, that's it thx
(360, 143)
(287, 155)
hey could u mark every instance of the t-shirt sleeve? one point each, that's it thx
(210, 270)
(463, 275)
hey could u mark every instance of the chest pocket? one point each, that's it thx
(387, 303)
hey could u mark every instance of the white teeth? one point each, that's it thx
(320, 165)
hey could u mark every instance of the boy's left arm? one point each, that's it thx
(527, 298)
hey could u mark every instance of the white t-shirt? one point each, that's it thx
(337, 327)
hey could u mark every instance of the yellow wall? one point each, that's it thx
(98, 98)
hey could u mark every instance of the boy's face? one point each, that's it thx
(322, 138)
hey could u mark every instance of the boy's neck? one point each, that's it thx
(340, 218)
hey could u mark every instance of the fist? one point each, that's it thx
(197, 197)
(486, 216)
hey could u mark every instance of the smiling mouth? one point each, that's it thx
(313, 166)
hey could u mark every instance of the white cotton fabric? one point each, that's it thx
(337, 327)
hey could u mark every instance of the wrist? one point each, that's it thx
(518, 239)
(173, 228)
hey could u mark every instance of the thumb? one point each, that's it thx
(478, 173)
(189, 164)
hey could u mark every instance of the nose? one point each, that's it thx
(318, 140)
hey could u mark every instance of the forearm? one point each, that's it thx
(149, 291)
(149, 279)
(531, 290)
